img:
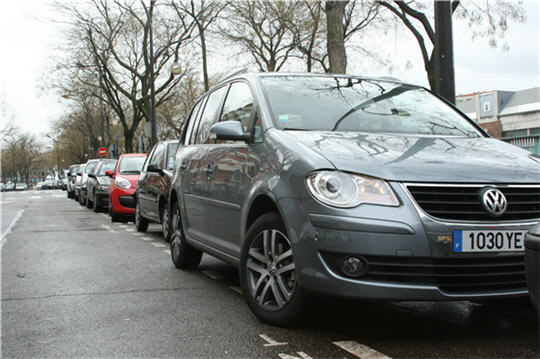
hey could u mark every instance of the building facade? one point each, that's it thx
(504, 114)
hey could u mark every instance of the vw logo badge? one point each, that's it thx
(494, 201)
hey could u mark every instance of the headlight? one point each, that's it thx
(345, 190)
(122, 182)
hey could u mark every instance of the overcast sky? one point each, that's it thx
(28, 43)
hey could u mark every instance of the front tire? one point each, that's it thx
(183, 255)
(89, 204)
(165, 223)
(268, 272)
(97, 207)
(141, 223)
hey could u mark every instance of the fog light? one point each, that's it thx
(354, 266)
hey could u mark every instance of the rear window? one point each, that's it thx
(131, 165)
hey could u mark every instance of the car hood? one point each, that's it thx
(424, 158)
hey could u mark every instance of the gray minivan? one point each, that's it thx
(358, 187)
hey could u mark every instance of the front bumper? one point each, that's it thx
(408, 256)
(123, 201)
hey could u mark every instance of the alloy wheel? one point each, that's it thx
(270, 270)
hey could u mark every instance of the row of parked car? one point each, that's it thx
(350, 186)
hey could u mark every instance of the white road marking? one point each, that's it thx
(5, 202)
(159, 245)
(302, 356)
(270, 342)
(146, 239)
(237, 290)
(168, 251)
(32, 197)
(138, 234)
(130, 230)
(58, 196)
(212, 274)
(8, 231)
(360, 350)
(109, 228)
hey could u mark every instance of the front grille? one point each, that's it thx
(464, 203)
(452, 275)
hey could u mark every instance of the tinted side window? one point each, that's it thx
(157, 157)
(238, 104)
(210, 115)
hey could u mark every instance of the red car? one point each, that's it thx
(124, 184)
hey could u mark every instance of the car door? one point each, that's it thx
(194, 172)
(149, 194)
(226, 177)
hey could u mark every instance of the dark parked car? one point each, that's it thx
(532, 259)
(122, 189)
(98, 184)
(71, 177)
(154, 186)
(83, 193)
(359, 187)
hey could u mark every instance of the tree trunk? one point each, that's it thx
(337, 55)
(204, 59)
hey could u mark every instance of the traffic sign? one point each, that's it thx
(102, 151)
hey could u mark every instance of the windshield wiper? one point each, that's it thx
(394, 92)
(130, 172)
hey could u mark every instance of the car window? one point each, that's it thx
(171, 153)
(157, 156)
(192, 121)
(90, 166)
(353, 104)
(209, 115)
(238, 104)
(106, 165)
(131, 165)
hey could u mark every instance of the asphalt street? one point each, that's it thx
(74, 284)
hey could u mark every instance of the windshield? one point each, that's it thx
(352, 104)
(90, 166)
(106, 165)
(131, 165)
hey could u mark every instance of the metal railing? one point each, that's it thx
(530, 143)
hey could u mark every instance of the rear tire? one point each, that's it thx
(183, 255)
(141, 223)
(268, 272)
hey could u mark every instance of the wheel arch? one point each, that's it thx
(262, 203)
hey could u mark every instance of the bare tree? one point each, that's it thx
(324, 42)
(116, 39)
(263, 28)
(490, 19)
(204, 14)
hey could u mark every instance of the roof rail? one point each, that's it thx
(242, 71)
(389, 78)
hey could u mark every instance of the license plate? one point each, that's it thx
(488, 241)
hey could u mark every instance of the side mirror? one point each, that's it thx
(154, 168)
(109, 173)
(91, 175)
(230, 131)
